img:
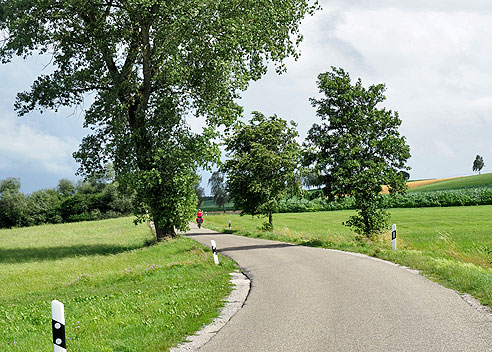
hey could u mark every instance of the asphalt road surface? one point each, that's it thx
(312, 299)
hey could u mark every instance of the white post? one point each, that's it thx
(58, 325)
(214, 250)
(393, 236)
(229, 224)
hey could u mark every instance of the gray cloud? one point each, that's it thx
(414, 5)
(434, 58)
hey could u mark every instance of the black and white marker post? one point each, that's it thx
(214, 250)
(393, 236)
(230, 224)
(58, 325)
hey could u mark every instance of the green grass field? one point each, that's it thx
(209, 205)
(119, 294)
(450, 245)
(476, 181)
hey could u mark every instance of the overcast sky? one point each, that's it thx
(435, 58)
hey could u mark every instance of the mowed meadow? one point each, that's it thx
(120, 291)
(451, 245)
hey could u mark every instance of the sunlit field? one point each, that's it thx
(120, 293)
(452, 245)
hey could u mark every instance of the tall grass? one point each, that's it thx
(119, 293)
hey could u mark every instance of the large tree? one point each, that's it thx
(357, 148)
(150, 63)
(263, 158)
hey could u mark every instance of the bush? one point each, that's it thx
(92, 200)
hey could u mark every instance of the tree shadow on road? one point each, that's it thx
(224, 232)
(256, 246)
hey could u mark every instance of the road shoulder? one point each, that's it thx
(234, 302)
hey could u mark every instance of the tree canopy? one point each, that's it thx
(357, 148)
(263, 158)
(150, 63)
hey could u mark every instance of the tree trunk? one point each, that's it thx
(270, 220)
(163, 233)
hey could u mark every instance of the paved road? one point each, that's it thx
(312, 299)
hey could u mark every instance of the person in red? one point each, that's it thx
(199, 218)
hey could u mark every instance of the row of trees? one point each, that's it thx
(93, 199)
(353, 151)
(148, 65)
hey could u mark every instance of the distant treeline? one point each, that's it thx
(85, 200)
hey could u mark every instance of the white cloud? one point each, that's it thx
(434, 58)
(21, 144)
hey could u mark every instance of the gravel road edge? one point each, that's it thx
(240, 291)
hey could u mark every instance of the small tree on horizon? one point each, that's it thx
(263, 158)
(478, 164)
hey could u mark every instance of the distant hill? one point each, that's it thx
(420, 183)
(442, 184)
(476, 181)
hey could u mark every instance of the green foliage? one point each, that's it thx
(167, 191)
(66, 188)
(13, 204)
(263, 158)
(150, 64)
(44, 207)
(218, 188)
(478, 163)
(357, 148)
(91, 200)
(10, 184)
(449, 198)
(371, 218)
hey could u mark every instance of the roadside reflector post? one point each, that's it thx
(58, 326)
(230, 224)
(214, 250)
(393, 236)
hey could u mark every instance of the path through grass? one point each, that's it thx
(119, 294)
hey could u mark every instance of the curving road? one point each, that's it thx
(313, 299)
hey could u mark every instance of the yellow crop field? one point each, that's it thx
(415, 184)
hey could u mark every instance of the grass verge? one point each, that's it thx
(119, 294)
(450, 245)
